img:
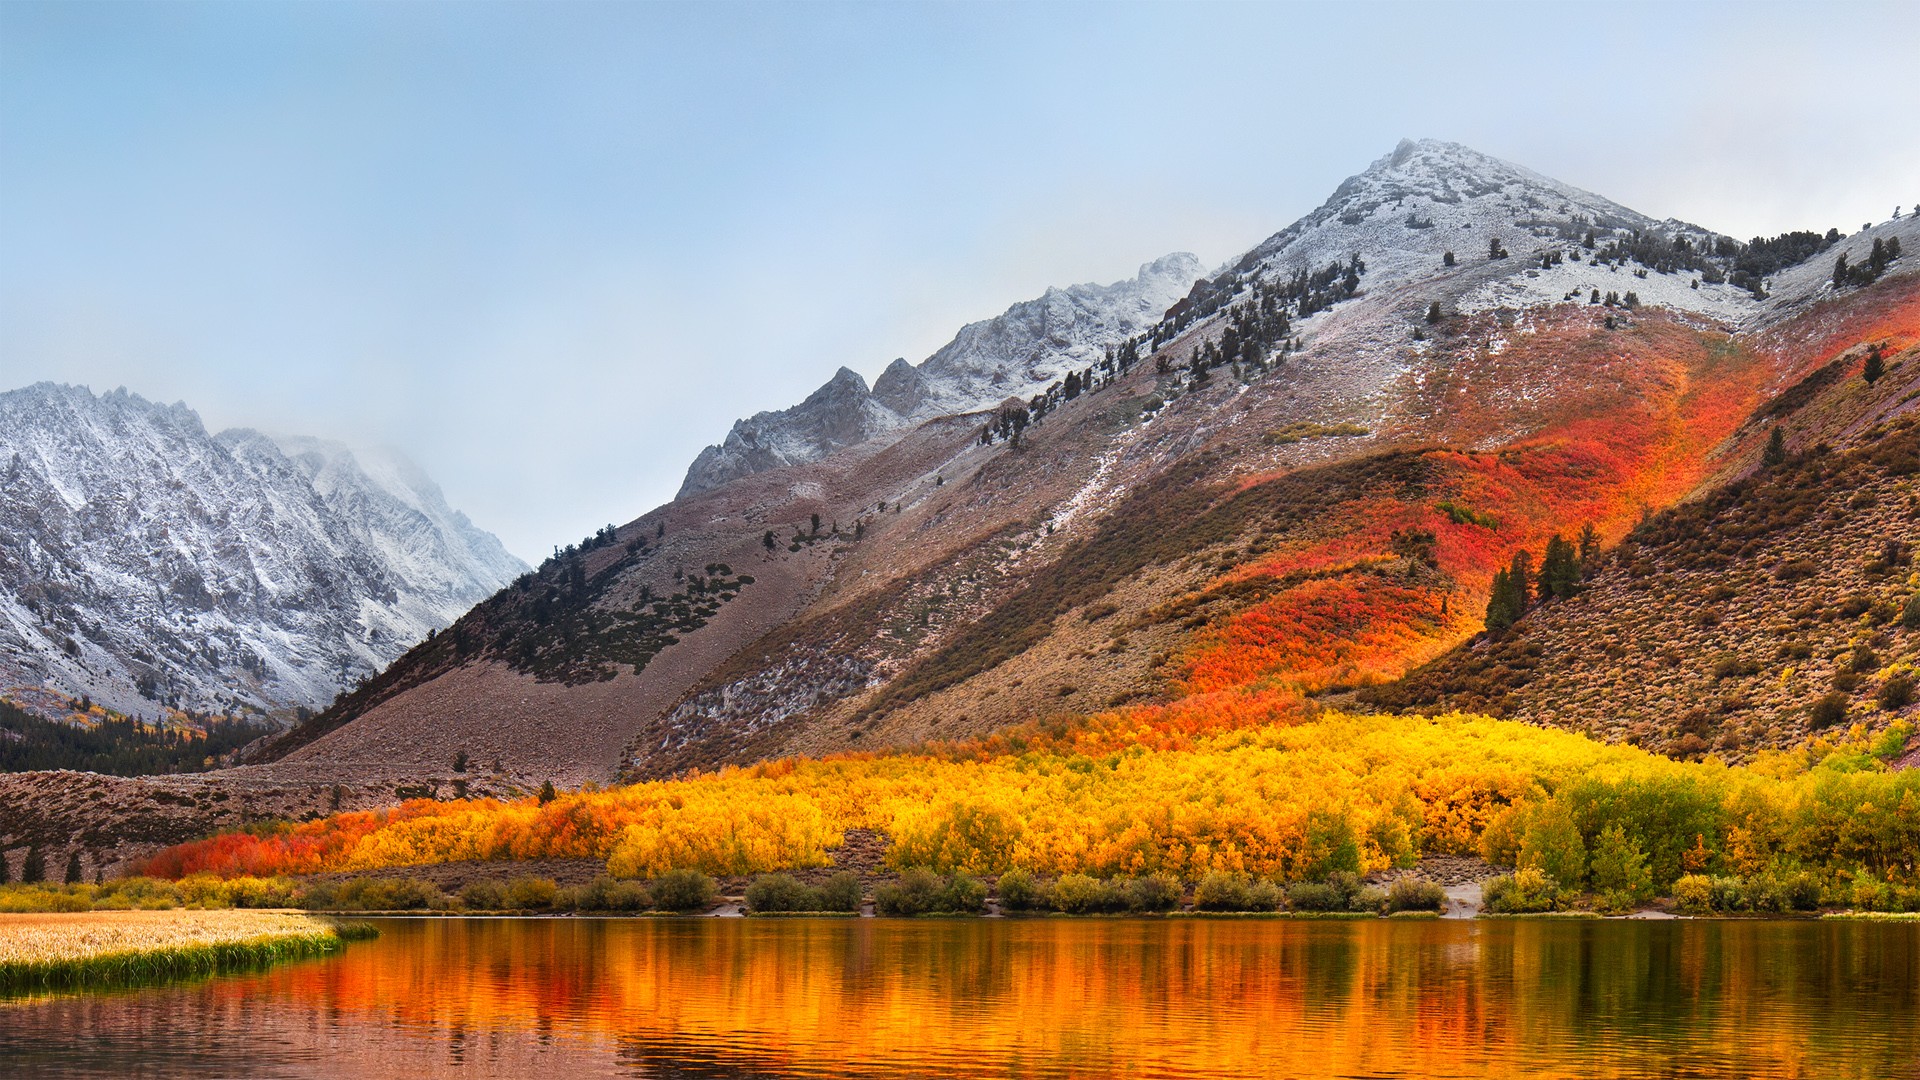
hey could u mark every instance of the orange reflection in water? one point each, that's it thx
(1104, 998)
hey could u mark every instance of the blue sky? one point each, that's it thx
(552, 250)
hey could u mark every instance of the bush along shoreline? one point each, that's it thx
(1612, 881)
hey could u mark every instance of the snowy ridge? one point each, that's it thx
(1016, 354)
(1430, 197)
(147, 563)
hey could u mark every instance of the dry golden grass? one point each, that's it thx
(56, 936)
(71, 948)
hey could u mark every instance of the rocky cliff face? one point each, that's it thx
(150, 565)
(1016, 354)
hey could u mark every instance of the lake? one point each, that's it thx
(767, 998)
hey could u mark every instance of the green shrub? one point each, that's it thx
(842, 892)
(683, 890)
(921, 892)
(1897, 692)
(1155, 892)
(1078, 894)
(1316, 896)
(1693, 894)
(605, 894)
(1221, 891)
(1367, 898)
(1829, 710)
(203, 891)
(1552, 843)
(1526, 890)
(484, 895)
(1265, 896)
(253, 892)
(1412, 894)
(1019, 892)
(915, 892)
(1801, 890)
(532, 894)
(1728, 894)
(781, 892)
(1619, 869)
(1867, 894)
(43, 897)
(374, 894)
(963, 895)
(1910, 615)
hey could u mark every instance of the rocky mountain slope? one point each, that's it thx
(1297, 483)
(1769, 610)
(1266, 456)
(152, 566)
(1013, 355)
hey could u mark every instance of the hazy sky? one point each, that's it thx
(550, 251)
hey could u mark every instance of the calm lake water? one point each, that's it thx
(765, 998)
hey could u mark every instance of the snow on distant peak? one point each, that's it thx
(147, 563)
(1015, 354)
(1429, 197)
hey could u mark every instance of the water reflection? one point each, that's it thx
(1043, 998)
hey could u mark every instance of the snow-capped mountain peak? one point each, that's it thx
(145, 562)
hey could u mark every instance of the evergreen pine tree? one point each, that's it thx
(1447, 258)
(1775, 454)
(1521, 576)
(547, 794)
(1876, 366)
(73, 868)
(34, 868)
(1433, 312)
(1560, 569)
(1589, 549)
(1500, 613)
(6, 872)
(1840, 272)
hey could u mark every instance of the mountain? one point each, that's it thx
(1013, 355)
(1295, 486)
(150, 565)
(1304, 474)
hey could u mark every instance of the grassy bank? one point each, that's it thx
(123, 948)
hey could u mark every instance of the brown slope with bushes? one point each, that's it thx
(1770, 609)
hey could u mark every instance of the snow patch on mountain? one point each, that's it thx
(1016, 354)
(149, 564)
(1577, 282)
(1430, 197)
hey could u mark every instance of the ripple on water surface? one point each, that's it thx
(690, 998)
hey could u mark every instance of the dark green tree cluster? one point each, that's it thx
(1876, 365)
(117, 746)
(1883, 253)
(1519, 588)
(1297, 297)
(1718, 261)
(1775, 455)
